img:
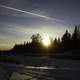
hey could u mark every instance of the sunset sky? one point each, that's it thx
(19, 19)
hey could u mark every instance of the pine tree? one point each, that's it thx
(66, 41)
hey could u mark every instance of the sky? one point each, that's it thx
(19, 19)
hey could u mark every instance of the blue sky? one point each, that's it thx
(19, 19)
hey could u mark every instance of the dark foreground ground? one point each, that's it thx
(41, 68)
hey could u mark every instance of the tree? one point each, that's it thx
(75, 35)
(55, 43)
(76, 40)
(66, 36)
(66, 41)
(36, 38)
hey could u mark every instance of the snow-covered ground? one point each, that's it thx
(52, 69)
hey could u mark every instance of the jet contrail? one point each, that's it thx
(38, 15)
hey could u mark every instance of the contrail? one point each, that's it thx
(34, 14)
(42, 16)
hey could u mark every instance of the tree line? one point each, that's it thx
(67, 43)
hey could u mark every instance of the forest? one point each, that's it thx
(68, 43)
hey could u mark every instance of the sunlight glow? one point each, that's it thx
(46, 41)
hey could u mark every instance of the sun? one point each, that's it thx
(46, 41)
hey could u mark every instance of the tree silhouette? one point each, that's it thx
(76, 40)
(55, 43)
(66, 41)
(36, 38)
(75, 34)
